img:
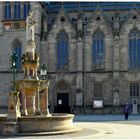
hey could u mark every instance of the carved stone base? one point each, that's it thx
(24, 112)
(10, 128)
(47, 112)
(13, 106)
(38, 112)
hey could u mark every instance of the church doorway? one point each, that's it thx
(63, 103)
(62, 97)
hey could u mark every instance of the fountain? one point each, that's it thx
(33, 119)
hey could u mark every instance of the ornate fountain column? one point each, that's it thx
(46, 93)
(24, 109)
(38, 100)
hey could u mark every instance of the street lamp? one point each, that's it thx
(13, 59)
(43, 72)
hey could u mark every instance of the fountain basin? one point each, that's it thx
(57, 122)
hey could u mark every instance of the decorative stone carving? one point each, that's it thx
(30, 22)
(13, 106)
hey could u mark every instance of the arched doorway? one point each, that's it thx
(62, 92)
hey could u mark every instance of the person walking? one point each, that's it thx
(126, 111)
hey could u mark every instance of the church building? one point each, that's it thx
(91, 50)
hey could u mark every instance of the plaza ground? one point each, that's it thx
(99, 127)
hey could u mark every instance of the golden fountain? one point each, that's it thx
(34, 116)
(30, 87)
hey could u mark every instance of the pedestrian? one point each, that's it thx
(126, 110)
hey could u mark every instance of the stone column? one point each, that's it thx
(38, 101)
(79, 54)
(24, 109)
(36, 76)
(116, 67)
(31, 109)
(46, 93)
(79, 81)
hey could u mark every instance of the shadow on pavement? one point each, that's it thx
(105, 118)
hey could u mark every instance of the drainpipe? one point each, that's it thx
(83, 69)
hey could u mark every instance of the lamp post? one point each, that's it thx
(14, 66)
(43, 72)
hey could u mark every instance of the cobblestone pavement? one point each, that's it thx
(100, 127)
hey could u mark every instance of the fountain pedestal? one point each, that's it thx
(30, 90)
(11, 126)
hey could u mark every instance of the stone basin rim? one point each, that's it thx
(73, 130)
(53, 115)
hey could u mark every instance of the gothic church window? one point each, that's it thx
(134, 50)
(7, 10)
(16, 10)
(26, 9)
(62, 50)
(98, 48)
(18, 50)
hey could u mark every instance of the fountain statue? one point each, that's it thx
(31, 86)
(33, 118)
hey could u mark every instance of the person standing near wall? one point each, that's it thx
(126, 110)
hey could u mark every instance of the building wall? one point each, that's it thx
(80, 76)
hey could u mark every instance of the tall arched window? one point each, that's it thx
(25, 12)
(134, 50)
(26, 9)
(62, 50)
(18, 49)
(98, 48)
(17, 10)
(7, 10)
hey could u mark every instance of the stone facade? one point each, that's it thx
(79, 79)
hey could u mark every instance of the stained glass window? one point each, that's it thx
(98, 48)
(17, 10)
(134, 50)
(25, 12)
(62, 50)
(7, 10)
(26, 9)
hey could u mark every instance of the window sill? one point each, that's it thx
(98, 67)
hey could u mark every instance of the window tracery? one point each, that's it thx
(62, 50)
(98, 48)
(134, 49)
